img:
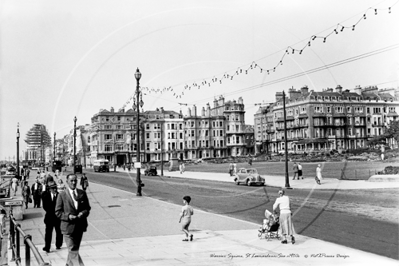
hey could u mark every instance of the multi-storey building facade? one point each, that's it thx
(112, 136)
(217, 132)
(330, 119)
(164, 135)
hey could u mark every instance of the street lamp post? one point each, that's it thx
(18, 150)
(137, 75)
(287, 179)
(74, 145)
(54, 149)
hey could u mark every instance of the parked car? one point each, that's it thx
(248, 176)
(152, 170)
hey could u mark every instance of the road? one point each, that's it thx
(357, 219)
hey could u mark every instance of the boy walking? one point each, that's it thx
(185, 217)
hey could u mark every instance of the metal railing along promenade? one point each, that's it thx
(16, 233)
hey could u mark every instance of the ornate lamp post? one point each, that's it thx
(139, 104)
(18, 150)
(54, 148)
(287, 179)
(74, 145)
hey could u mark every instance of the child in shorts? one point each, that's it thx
(185, 217)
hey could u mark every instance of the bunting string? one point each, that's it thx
(255, 66)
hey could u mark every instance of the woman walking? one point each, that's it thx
(283, 203)
(26, 194)
(318, 175)
(185, 217)
(14, 185)
(84, 182)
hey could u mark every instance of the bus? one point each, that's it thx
(101, 165)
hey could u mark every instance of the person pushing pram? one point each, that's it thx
(270, 226)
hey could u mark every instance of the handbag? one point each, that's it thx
(30, 200)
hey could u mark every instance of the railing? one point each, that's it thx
(15, 233)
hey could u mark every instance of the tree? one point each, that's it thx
(393, 131)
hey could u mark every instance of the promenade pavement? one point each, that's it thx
(128, 230)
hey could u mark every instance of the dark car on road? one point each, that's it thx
(152, 170)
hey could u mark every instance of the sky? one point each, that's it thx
(61, 59)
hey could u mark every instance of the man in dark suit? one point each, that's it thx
(73, 208)
(36, 193)
(50, 219)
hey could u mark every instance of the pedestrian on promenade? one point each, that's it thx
(3, 230)
(72, 208)
(295, 168)
(84, 182)
(27, 173)
(36, 190)
(185, 217)
(22, 174)
(300, 171)
(181, 168)
(318, 175)
(60, 186)
(283, 203)
(26, 194)
(234, 168)
(382, 152)
(231, 169)
(51, 221)
(14, 185)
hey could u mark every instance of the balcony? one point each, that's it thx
(377, 125)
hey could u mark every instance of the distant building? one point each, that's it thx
(38, 144)
(325, 120)
(216, 132)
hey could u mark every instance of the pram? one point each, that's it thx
(270, 226)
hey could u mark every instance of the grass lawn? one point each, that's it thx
(352, 170)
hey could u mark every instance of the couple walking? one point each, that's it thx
(297, 171)
(66, 213)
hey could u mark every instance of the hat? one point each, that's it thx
(52, 184)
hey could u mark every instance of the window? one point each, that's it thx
(119, 136)
(147, 135)
(148, 146)
(339, 109)
(108, 136)
(119, 147)
(147, 126)
(108, 148)
(350, 120)
(348, 109)
(107, 127)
